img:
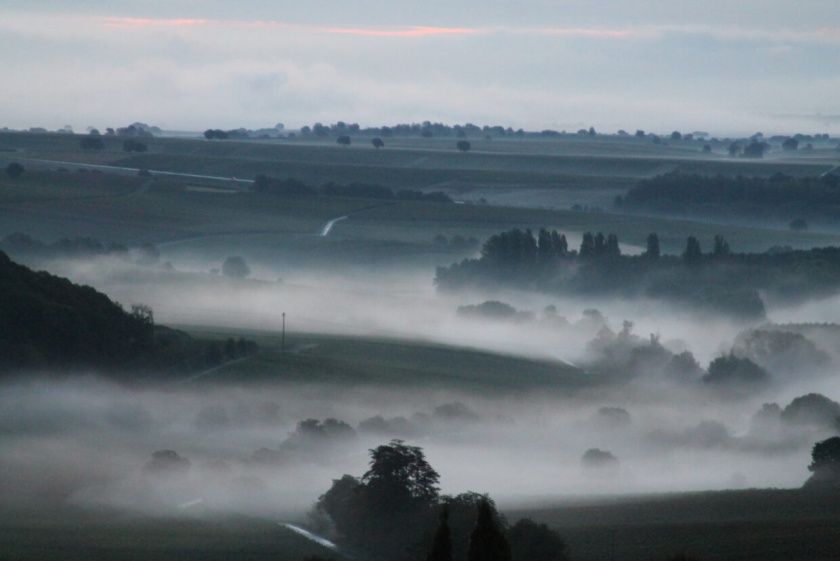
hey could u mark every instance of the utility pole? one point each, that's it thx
(283, 336)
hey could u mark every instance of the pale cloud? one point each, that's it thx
(108, 68)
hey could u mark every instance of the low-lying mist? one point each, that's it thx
(85, 441)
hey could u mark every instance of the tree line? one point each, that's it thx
(716, 279)
(778, 196)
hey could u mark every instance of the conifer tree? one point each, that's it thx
(487, 540)
(442, 541)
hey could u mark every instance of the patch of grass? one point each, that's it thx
(352, 361)
(84, 536)
(752, 525)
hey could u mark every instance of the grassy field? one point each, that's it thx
(354, 361)
(566, 162)
(117, 208)
(529, 183)
(73, 535)
(752, 525)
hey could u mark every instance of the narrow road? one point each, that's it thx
(310, 536)
(216, 368)
(127, 170)
(325, 231)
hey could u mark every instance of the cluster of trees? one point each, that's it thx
(395, 511)
(294, 188)
(426, 129)
(48, 322)
(778, 196)
(218, 134)
(720, 280)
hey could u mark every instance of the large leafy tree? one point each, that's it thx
(825, 464)
(386, 512)
(400, 472)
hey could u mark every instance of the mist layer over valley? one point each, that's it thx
(186, 351)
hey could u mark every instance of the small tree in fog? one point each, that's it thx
(344, 140)
(721, 247)
(692, 254)
(530, 541)
(377, 143)
(464, 145)
(235, 267)
(652, 251)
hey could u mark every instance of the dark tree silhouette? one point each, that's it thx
(612, 249)
(652, 250)
(210, 134)
(399, 471)
(442, 541)
(825, 464)
(790, 144)
(692, 254)
(587, 245)
(464, 145)
(755, 149)
(377, 143)
(600, 244)
(734, 370)
(487, 540)
(530, 541)
(14, 170)
(721, 247)
(344, 140)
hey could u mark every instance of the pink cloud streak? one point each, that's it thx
(152, 22)
(826, 34)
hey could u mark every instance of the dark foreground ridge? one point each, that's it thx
(48, 322)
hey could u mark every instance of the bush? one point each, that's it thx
(14, 170)
(235, 267)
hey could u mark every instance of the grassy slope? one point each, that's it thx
(82, 536)
(124, 209)
(543, 171)
(353, 361)
(753, 525)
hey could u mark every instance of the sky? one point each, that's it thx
(660, 65)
